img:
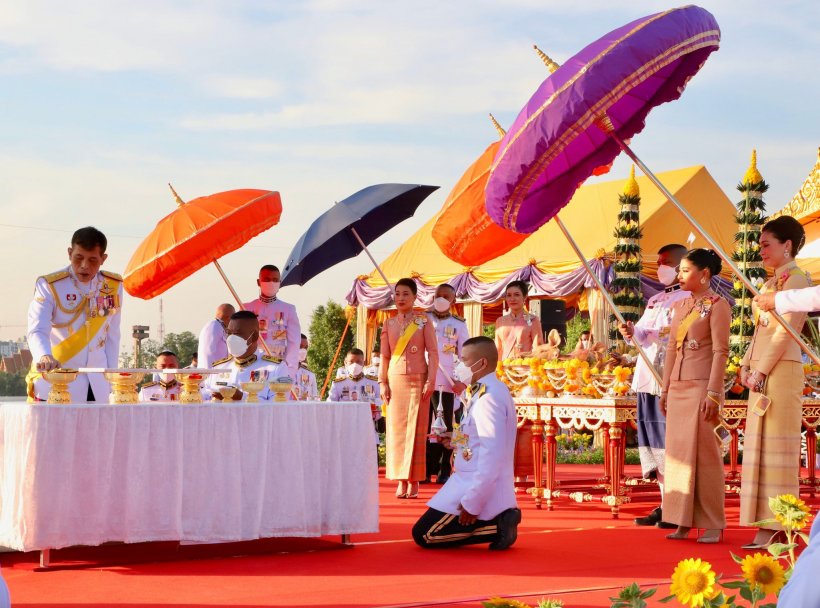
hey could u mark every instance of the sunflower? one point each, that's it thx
(693, 582)
(790, 511)
(765, 571)
(501, 602)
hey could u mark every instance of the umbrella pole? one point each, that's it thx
(235, 295)
(372, 259)
(607, 297)
(712, 243)
(333, 363)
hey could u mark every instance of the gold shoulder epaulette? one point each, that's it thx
(111, 275)
(457, 318)
(221, 361)
(271, 359)
(150, 384)
(55, 276)
(340, 378)
(370, 377)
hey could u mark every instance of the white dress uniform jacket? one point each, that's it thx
(363, 388)
(483, 481)
(60, 309)
(306, 381)
(451, 333)
(279, 328)
(159, 392)
(652, 334)
(797, 300)
(235, 372)
(212, 345)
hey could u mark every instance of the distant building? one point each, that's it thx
(10, 347)
(15, 357)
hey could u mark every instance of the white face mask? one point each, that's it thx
(463, 372)
(584, 343)
(269, 288)
(441, 305)
(166, 378)
(302, 355)
(667, 275)
(375, 361)
(237, 345)
(354, 369)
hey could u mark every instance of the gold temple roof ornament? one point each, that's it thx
(805, 205)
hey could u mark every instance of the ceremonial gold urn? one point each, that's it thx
(190, 387)
(123, 386)
(59, 379)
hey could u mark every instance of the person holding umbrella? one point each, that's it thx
(278, 322)
(406, 380)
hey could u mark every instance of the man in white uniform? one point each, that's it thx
(451, 332)
(375, 361)
(278, 321)
(306, 379)
(652, 333)
(74, 320)
(355, 385)
(790, 300)
(477, 504)
(212, 337)
(243, 363)
(166, 388)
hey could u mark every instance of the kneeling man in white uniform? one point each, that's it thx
(477, 504)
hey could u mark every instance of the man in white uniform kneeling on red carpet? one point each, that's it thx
(477, 504)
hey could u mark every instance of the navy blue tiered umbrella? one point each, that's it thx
(344, 230)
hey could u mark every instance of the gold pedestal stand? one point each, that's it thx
(59, 380)
(253, 389)
(123, 386)
(190, 387)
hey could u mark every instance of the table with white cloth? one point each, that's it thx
(88, 474)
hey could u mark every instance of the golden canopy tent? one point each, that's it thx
(545, 258)
(805, 208)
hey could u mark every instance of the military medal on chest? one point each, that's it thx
(459, 442)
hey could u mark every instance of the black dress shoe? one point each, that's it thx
(652, 519)
(507, 529)
(442, 479)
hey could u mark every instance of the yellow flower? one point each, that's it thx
(790, 511)
(765, 571)
(500, 602)
(693, 582)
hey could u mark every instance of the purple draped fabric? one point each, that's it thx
(468, 287)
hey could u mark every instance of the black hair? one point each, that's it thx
(167, 353)
(786, 228)
(241, 315)
(522, 285)
(586, 331)
(356, 351)
(478, 340)
(88, 238)
(705, 258)
(409, 283)
(270, 267)
(447, 285)
(672, 247)
(304, 337)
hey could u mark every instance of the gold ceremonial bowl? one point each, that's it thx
(227, 392)
(281, 390)
(190, 387)
(123, 386)
(59, 379)
(253, 389)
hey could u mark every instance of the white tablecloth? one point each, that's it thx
(88, 474)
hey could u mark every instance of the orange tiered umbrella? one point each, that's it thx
(197, 233)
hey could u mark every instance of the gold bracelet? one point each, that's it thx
(712, 397)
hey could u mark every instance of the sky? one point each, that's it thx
(104, 102)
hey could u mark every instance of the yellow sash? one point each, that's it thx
(684, 326)
(404, 339)
(66, 350)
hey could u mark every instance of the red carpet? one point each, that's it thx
(576, 553)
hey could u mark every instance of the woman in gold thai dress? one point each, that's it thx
(691, 399)
(406, 380)
(517, 333)
(773, 367)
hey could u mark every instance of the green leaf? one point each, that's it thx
(777, 549)
(738, 559)
(667, 599)
(736, 585)
(765, 522)
(747, 594)
(649, 593)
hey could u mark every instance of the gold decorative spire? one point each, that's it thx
(497, 126)
(551, 65)
(179, 201)
(752, 175)
(631, 186)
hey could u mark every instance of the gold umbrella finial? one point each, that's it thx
(179, 201)
(631, 186)
(497, 126)
(752, 175)
(551, 65)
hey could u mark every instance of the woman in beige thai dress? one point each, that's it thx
(772, 366)
(406, 380)
(517, 333)
(692, 398)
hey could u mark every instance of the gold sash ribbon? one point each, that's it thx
(66, 350)
(404, 340)
(684, 326)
